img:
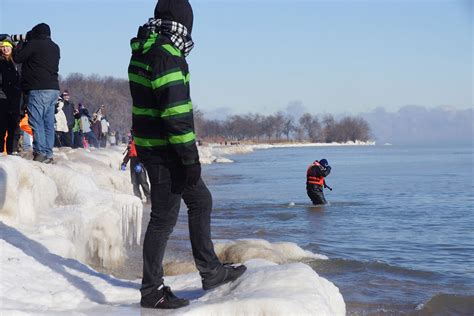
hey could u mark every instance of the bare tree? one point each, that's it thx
(279, 124)
(352, 129)
(288, 127)
(329, 129)
(93, 91)
(311, 125)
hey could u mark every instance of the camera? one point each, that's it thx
(18, 37)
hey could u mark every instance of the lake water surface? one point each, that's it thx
(398, 230)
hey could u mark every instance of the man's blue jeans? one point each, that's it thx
(41, 106)
(26, 141)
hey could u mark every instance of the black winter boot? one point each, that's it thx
(163, 298)
(39, 157)
(226, 274)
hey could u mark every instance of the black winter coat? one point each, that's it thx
(68, 110)
(10, 93)
(40, 59)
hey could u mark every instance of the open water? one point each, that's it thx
(399, 229)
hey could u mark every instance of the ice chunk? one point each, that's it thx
(82, 200)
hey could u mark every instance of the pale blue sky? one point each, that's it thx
(258, 56)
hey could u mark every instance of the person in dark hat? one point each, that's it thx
(165, 141)
(315, 181)
(39, 57)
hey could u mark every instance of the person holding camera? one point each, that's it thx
(39, 57)
(163, 130)
(316, 182)
(10, 95)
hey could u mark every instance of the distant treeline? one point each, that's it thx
(280, 126)
(93, 91)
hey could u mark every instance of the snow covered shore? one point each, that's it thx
(215, 153)
(57, 219)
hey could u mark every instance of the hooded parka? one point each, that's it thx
(162, 113)
(40, 60)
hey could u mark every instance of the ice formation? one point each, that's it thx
(81, 207)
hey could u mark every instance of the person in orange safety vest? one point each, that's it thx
(315, 182)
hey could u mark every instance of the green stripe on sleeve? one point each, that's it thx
(149, 142)
(179, 109)
(149, 42)
(139, 80)
(145, 111)
(174, 77)
(182, 139)
(172, 50)
(186, 80)
(144, 46)
(135, 46)
(141, 65)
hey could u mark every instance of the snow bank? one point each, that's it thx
(270, 289)
(245, 249)
(213, 153)
(81, 207)
(36, 281)
(241, 250)
(284, 145)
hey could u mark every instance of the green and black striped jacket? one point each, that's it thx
(162, 113)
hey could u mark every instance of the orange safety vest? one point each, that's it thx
(314, 180)
(24, 126)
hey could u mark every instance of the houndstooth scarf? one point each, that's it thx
(175, 31)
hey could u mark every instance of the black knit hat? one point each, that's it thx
(39, 31)
(324, 163)
(42, 29)
(175, 10)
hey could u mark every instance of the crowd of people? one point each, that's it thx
(75, 127)
(33, 116)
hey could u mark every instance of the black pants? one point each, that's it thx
(64, 139)
(315, 193)
(139, 179)
(68, 138)
(77, 140)
(167, 189)
(8, 123)
(103, 140)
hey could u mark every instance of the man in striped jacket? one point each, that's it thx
(164, 136)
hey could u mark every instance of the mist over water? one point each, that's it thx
(397, 231)
(414, 125)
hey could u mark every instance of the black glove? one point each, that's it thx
(326, 171)
(193, 173)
